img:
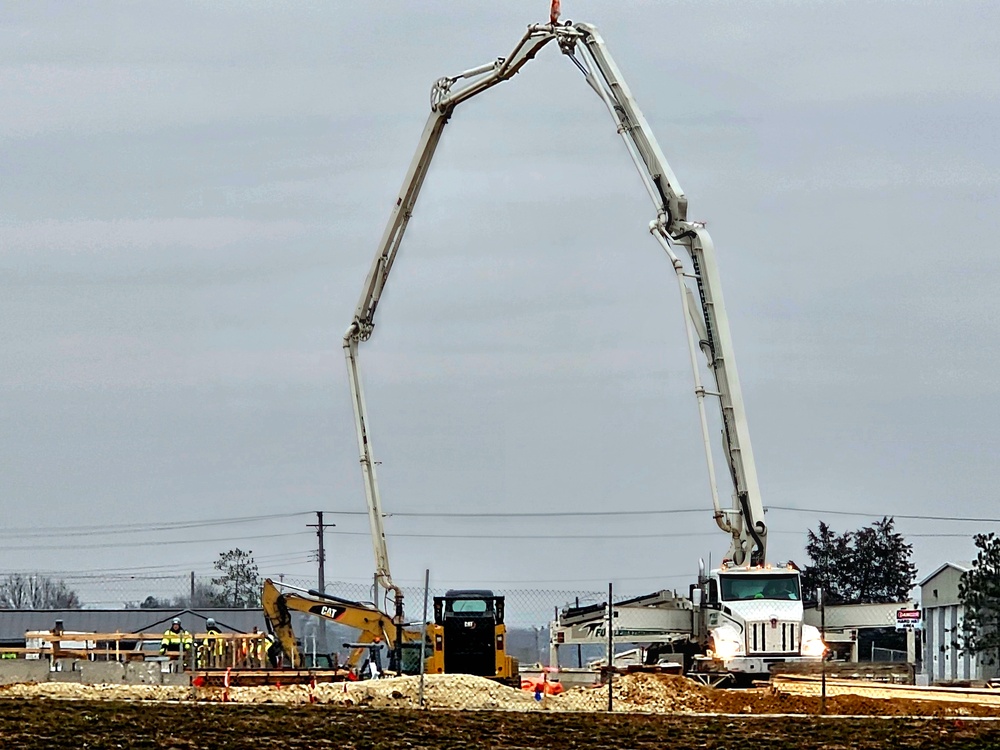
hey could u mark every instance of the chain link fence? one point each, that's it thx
(477, 645)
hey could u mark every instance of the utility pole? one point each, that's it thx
(321, 574)
(611, 647)
(321, 556)
(191, 602)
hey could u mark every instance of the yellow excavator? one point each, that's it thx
(374, 626)
(468, 635)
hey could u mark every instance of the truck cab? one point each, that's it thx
(753, 616)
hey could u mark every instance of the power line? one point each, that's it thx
(532, 514)
(172, 571)
(162, 542)
(101, 529)
(665, 535)
(658, 512)
(669, 535)
(553, 514)
(908, 516)
(180, 568)
(529, 537)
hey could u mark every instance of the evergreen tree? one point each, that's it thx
(831, 554)
(870, 565)
(979, 592)
(881, 564)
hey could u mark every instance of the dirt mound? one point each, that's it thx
(645, 693)
(659, 693)
(440, 691)
(654, 693)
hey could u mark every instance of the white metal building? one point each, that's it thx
(942, 618)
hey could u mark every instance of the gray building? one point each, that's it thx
(944, 661)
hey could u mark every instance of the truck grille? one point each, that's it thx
(773, 637)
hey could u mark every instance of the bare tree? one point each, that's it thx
(36, 591)
(240, 582)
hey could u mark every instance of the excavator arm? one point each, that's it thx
(278, 605)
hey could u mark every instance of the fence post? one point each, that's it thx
(611, 647)
(579, 648)
(423, 635)
(822, 633)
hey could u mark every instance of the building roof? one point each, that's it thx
(15, 622)
(960, 566)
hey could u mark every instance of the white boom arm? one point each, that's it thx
(443, 103)
(704, 304)
(745, 521)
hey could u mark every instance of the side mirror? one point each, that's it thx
(696, 598)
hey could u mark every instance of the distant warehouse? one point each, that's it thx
(944, 660)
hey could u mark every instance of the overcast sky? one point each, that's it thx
(191, 195)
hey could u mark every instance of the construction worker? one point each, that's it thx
(273, 651)
(249, 649)
(175, 641)
(371, 669)
(260, 648)
(213, 647)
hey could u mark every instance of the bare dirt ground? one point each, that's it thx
(652, 711)
(645, 693)
(39, 723)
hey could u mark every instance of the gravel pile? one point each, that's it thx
(645, 693)
(653, 693)
(440, 691)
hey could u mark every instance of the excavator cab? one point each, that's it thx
(473, 637)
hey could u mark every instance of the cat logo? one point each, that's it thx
(325, 610)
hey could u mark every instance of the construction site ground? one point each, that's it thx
(650, 711)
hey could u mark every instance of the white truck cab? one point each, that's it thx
(754, 619)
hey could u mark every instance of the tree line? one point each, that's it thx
(873, 564)
(237, 585)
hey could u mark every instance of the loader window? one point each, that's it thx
(739, 588)
(468, 605)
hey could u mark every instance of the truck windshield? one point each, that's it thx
(740, 588)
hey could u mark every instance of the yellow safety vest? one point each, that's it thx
(171, 641)
(215, 642)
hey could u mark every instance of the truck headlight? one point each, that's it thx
(726, 642)
(812, 643)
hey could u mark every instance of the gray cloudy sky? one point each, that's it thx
(191, 194)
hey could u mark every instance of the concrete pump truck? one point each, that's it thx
(737, 619)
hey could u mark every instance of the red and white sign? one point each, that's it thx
(907, 618)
